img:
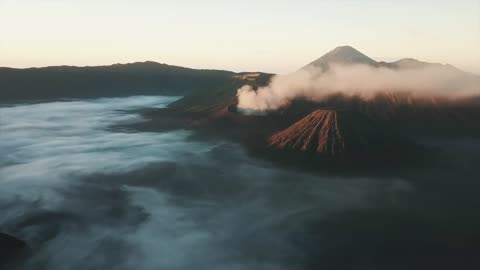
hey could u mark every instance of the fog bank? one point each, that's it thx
(86, 194)
(358, 80)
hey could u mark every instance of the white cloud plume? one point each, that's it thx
(359, 80)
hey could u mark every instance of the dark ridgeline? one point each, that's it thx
(142, 78)
(200, 87)
(347, 55)
(11, 249)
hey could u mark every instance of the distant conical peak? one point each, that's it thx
(342, 55)
(345, 49)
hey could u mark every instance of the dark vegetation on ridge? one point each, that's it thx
(142, 78)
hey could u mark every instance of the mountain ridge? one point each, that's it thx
(138, 78)
(147, 63)
(348, 55)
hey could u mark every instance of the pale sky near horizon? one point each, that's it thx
(262, 35)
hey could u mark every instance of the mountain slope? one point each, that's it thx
(340, 134)
(11, 249)
(221, 95)
(347, 55)
(318, 132)
(342, 55)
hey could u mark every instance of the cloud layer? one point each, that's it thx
(357, 80)
(86, 196)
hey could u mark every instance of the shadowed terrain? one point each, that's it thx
(141, 78)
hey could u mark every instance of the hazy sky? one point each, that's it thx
(265, 35)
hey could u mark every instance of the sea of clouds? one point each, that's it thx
(85, 193)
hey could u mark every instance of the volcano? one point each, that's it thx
(336, 134)
(344, 55)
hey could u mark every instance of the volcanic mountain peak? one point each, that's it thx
(342, 55)
(341, 133)
(318, 132)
